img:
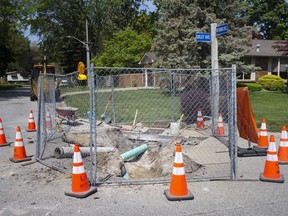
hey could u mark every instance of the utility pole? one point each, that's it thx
(87, 46)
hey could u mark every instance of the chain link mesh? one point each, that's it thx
(140, 114)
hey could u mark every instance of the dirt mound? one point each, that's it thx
(156, 162)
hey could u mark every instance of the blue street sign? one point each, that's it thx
(222, 29)
(203, 37)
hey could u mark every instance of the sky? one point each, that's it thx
(34, 39)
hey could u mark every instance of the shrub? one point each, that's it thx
(251, 86)
(272, 83)
(254, 87)
(241, 84)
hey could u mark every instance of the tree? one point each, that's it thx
(14, 48)
(124, 49)
(21, 53)
(270, 17)
(180, 20)
(53, 20)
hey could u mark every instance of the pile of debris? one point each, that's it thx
(130, 154)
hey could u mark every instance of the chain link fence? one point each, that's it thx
(128, 120)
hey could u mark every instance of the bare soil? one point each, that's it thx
(156, 162)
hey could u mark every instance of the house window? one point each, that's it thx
(244, 76)
(14, 76)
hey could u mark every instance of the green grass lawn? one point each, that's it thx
(5, 87)
(156, 105)
(65, 89)
(152, 105)
(273, 106)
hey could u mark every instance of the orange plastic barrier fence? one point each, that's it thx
(246, 122)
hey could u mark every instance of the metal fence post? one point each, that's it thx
(92, 121)
(233, 126)
(113, 100)
(39, 119)
(172, 92)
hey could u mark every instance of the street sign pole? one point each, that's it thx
(215, 76)
(215, 89)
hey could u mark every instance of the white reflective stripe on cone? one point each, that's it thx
(272, 147)
(78, 170)
(284, 143)
(31, 120)
(263, 133)
(272, 157)
(77, 157)
(220, 124)
(1, 131)
(284, 134)
(18, 135)
(18, 143)
(199, 119)
(178, 171)
(263, 126)
(178, 157)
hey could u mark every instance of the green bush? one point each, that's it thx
(241, 84)
(254, 87)
(272, 83)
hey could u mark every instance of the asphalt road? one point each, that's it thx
(14, 110)
(32, 196)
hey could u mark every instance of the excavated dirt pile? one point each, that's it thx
(157, 161)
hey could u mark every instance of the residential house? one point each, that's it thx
(15, 76)
(147, 60)
(271, 56)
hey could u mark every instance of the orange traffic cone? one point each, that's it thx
(3, 141)
(283, 147)
(263, 136)
(220, 127)
(19, 148)
(271, 170)
(48, 123)
(200, 121)
(178, 186)
(80, 184)
(31, 123)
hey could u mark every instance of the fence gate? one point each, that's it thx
(128, 120)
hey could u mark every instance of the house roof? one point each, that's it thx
(256, 48)
(148, 58)
(269, 48)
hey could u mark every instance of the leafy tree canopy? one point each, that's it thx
(180, 20)
(270, 17)
(14, 48)
(124, 49)
(54, 20)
